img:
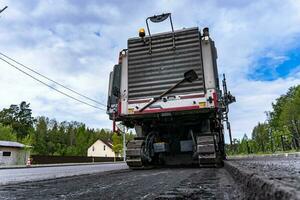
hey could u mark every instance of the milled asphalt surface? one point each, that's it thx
(284, 170)
(165, 183)
(9, 176)
(98, 182)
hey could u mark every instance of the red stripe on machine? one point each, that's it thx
(181, 97)
(215, 98)
(168, 109)
(119, 108)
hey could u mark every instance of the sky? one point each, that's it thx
(77, 43)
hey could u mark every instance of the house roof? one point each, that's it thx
(107, 143)
(4, 143)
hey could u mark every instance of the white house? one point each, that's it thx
(101, 148)
(13, 153)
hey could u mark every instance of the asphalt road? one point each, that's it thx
(165, 183)
(283, 170)
(10, 176)
(116, 181)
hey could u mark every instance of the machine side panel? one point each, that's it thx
(208, 63)
(124, 84)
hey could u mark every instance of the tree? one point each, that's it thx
(285, 119)
(82, 138)
(244, 146)
(50, 137)
(117, 143)
(282, 129)
(7, 133)
(260, 135)
(40, 136)
(19, 118)
(290, 117)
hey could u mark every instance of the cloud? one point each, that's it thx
(77, 43)
(253, 99)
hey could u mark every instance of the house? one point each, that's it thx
(13, 153)
(101, 148)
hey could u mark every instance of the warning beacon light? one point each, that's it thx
(142, 32)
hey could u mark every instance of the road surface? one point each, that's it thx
(9, 176)
(166, 183)
(116, 181)
(282, 170)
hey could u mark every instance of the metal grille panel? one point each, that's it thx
(150, 74)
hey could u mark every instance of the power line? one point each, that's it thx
(63, 93)
(3, 9)
(49, 79)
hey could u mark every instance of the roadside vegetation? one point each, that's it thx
(50, 137)
(280, 132)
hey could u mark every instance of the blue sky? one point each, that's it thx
(270, 68)
(77, 43)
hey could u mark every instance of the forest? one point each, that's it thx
(280, 131)
(50, 137)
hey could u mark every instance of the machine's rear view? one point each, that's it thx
(166, 87)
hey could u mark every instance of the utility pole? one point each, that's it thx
(271, 139)
(282, 143)
(124, 145)
(3, 9)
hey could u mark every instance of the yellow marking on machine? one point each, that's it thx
(130, 110)
(202, 104)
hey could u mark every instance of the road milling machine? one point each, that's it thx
(166, 86)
